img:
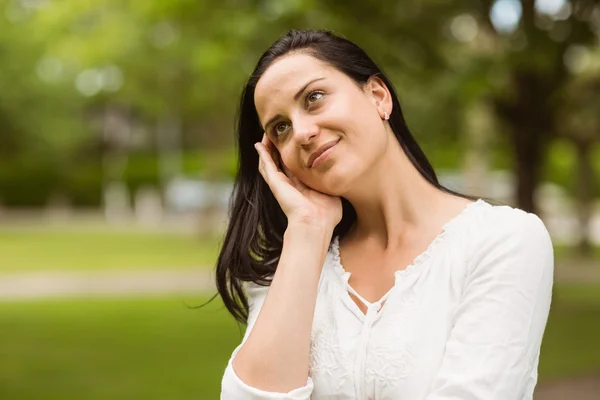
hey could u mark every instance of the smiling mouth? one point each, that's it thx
(318, 156)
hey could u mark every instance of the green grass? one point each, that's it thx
(570, 252)
(570, 345)
(49, 249)
(113, 349)
(160, 349)
(97, 246)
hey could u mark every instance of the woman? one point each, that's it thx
(359, 275)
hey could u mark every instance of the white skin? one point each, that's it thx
(398, 211)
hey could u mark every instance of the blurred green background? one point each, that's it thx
(117, 156)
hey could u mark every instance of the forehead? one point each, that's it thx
(288, 74)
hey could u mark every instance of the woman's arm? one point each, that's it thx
(493, 349)
(276, 354)
(232, 387)
(272, 362)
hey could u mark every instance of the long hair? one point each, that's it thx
(254, 238)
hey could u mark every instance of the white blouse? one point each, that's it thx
(463, 322)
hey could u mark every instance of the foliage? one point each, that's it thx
(35, 183)
(177, 67)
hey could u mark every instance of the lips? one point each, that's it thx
(315, 154)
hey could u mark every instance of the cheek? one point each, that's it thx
(356, 118)
(296, 167)
(345, 111)
(291, 161)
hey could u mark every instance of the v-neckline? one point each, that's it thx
(417, 264)
(379, 304)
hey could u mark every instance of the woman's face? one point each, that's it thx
(304, 104)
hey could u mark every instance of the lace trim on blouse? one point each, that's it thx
(419, 260)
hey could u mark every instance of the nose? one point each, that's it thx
(305, 130)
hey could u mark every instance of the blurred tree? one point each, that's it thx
(514, 54)
(37, 124)
(535, 55)
(177, 66)
(581, 126)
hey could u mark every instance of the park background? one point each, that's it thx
(117, 157)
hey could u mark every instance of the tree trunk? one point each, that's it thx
(528, 161)
(529, 116)
(476, 162)
(585, 182)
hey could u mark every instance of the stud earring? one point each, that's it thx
(386, 116)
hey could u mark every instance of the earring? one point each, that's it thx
(386, 116)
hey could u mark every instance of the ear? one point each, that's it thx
(378, 91)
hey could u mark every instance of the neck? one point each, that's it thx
(393, 201)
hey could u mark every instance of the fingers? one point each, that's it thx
(270, 163)
(273, 152)
(266, 164)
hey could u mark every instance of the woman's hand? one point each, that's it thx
(300, 203)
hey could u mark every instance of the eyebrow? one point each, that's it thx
(296, 97)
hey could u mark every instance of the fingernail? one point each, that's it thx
(256, 146)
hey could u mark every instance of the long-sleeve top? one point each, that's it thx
(464, 321)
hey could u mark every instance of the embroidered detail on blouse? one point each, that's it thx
(388, 341)
(419, 260)
(391, 342)
(327, 356)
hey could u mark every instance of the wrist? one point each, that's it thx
(312, 225)
(309, 229)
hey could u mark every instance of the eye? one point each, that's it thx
(280, 128)
(314, 96)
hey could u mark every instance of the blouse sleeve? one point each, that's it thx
(232, 387)
(493, 349)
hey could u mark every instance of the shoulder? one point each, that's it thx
(502, 232)
(502, 223)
